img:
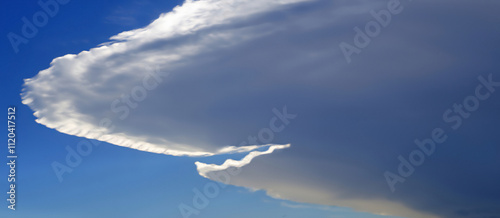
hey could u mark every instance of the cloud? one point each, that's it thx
(204, 169)
(218, 68)
(105, 85)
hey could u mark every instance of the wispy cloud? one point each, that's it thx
(204, 169)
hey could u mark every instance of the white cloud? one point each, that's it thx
(204, 169)
(77, 92)
(223, 65)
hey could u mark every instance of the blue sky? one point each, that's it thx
(229, 71)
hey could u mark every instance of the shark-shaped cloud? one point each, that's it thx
(200, 79)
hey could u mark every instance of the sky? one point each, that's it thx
(263, 108)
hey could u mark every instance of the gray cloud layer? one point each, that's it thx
(225, 64)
